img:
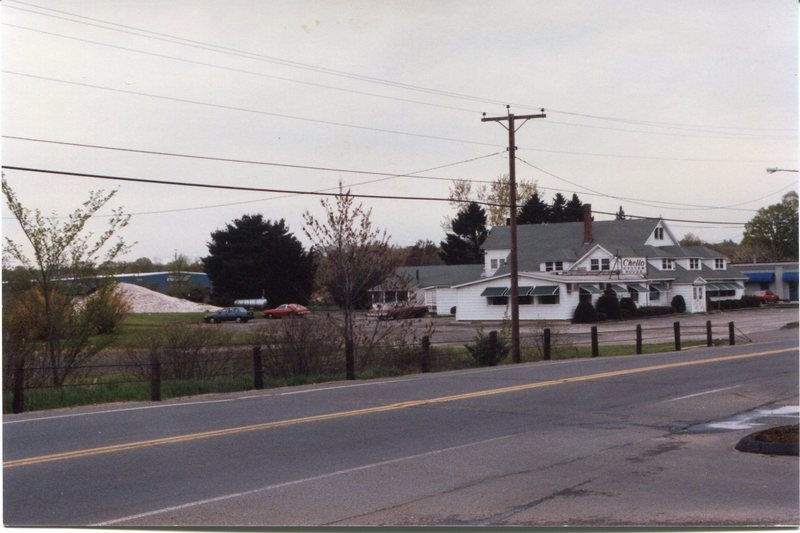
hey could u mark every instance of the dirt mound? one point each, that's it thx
(144, 300)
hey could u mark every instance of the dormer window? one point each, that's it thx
(659, 234)
(719, 264)
(667, 264)
(694, 263)
(551, 266)
(601, 264)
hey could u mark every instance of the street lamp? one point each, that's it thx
(774, 170)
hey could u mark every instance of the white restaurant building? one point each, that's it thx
(563, 264)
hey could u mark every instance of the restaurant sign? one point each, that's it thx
(634, 265)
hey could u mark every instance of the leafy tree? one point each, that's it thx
(252, 256)
(463, 245)
(64, 264)
(423, 253)
(534, 211)
(497, 192)
(690, 239)
(774, 229)
(354, 257)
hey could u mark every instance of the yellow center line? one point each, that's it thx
(371, 410)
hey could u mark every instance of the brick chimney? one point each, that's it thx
(587, 223)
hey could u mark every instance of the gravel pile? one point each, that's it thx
(144, 300)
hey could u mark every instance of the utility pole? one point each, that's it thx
(512, 186)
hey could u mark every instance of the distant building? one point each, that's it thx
(780, 278)
(165, 281)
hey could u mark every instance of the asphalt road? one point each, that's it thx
(636, 440)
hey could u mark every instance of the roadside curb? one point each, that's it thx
(751, 444)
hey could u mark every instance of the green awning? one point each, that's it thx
(660, 287)
(494, 291)
(522, 291)
(729, 286)
(545, 290)
(621, 291)
(637, 287)
(591, 289)
(713, 287)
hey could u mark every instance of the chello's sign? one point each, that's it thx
(634, 265)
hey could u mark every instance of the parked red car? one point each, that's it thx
(290, 310)
(766, 296)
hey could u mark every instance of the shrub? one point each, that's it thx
(585, 313)
(750, 301)
(291, 348)
(453, 310)
(654, 311)
(105, 308)
(627, 304)
(609, 305)
(678, 303)
(482, 353)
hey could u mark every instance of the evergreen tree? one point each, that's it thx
(252, 256)
(534, 211)
(574, 210)
(558, 209)
(463, 245)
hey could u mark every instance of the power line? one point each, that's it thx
(391, 175)
(313, 193)
(243, 71)
(144, 33)
(388, 176)
(723, 135)
(638, 201)
(367, 128)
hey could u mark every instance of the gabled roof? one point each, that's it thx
(538, 243)
(415, 277)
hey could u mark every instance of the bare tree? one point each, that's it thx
(354, 257)
(65, 255)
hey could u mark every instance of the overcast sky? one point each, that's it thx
(678, 106)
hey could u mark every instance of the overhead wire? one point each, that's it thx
(730, 136)
(311, 193)
(141, 32)
(409, 175)
(354, 126)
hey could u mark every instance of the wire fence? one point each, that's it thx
(153, 374)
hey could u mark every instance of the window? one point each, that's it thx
(655, 295)
(667, 264)
(548, 300)
(659, 234)
(719, 264)
(551, 266)
(494, 264)
(694, 264)
(526, 300)
(601, 264)
(497, 300)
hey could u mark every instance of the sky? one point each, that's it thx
(671, 109)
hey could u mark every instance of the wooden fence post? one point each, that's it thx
(709, 336)
(677, 327)
(424, 363)
(492, 348)
(155, 378)
(595, 347)
(731, 334)
(258, 369)
(638, 339)
(546, 344)
(18, 401)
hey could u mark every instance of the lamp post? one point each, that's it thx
(774, 170)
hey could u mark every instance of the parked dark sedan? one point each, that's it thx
(235, 314)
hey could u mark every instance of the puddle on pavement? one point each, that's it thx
(752, 419)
